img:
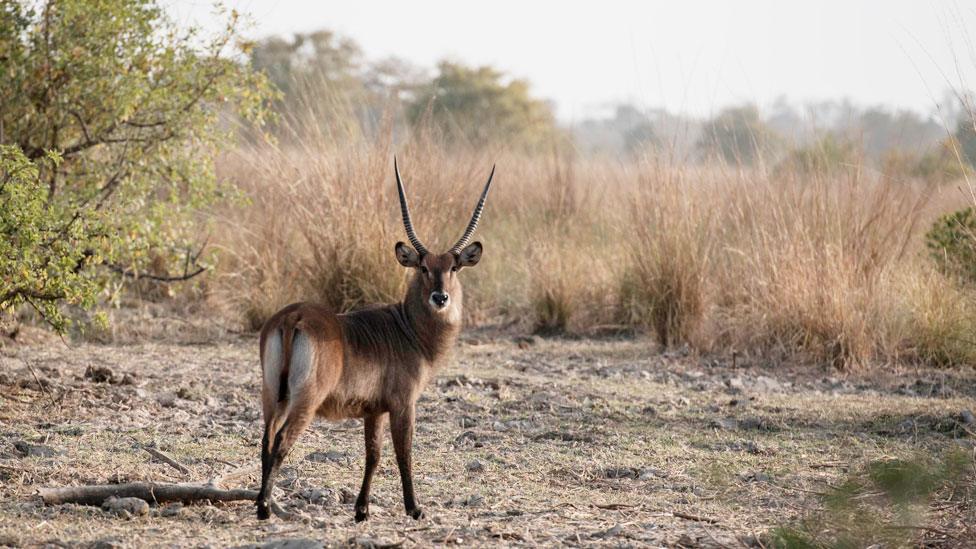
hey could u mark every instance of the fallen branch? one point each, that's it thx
(168, 460)
(614, 506)
(151, 492)
(695, 518)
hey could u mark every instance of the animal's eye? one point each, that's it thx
(454, 269)
(423, 269)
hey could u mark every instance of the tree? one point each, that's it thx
(129, 105)
(475, 105)
(320, 60)
(828, 155)
(736, 135)
(965, 136)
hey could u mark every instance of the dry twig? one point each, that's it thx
(695, 518)
(167, 460)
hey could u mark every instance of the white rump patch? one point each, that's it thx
(302, 360)
(271, 361)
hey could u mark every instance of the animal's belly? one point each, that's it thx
(334, 408)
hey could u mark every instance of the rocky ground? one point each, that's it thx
(519, 442)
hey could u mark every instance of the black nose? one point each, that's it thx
(439, 298)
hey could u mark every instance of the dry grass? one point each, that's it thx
(828, 266)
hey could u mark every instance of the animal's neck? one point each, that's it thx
(435, 333)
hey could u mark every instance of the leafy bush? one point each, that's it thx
(42, 259)
(130, 105)
(952, 244)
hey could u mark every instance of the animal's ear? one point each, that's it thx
(407, 256)
(470, 255)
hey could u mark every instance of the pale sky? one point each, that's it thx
(687, 56)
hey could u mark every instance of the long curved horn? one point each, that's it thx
(405, 212)
(473, 224)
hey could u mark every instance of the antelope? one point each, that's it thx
(370, 363)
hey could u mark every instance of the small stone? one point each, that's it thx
(608, 533)
(524, 342)
(297, 543)
(191, 393)
(38, 384)
(648, 474)
(475, 466)
(321, 496)
(99, 374)
(755, 477)
(127, 379)
(727, 424)
(967, 417)
(649, 411)
(466, 422)
(126, 506)
(34, 450)
(346, 496)
(620, 472)
(753, 423)
(467, 438)
(106, 544)
(736, 384)
(172, 510)
(474, 500)
(166, 400)
(765, 384)
(331, 455)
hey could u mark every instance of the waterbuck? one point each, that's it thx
(370, 363)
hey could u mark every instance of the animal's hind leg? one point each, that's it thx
(274, 453)
(264, 507)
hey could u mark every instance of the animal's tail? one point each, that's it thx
(287, 341)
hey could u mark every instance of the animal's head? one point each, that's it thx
(437, 274)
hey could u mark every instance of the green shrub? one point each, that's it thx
(42, 260)
(952, 244)
(131, 106)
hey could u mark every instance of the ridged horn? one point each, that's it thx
(405, 212)
(473, 224)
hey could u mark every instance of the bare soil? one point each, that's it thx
(519, 442)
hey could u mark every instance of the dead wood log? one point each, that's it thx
(149, 491)
(155, 492)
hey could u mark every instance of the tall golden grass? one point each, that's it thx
(764, 262)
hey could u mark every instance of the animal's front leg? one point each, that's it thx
(401, 429)
(374, 446)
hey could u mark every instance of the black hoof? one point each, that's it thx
(417, 513)
(362, 514)
(264, 511)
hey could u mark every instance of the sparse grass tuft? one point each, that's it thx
(882, 504)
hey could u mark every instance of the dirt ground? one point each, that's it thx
(519, 442)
